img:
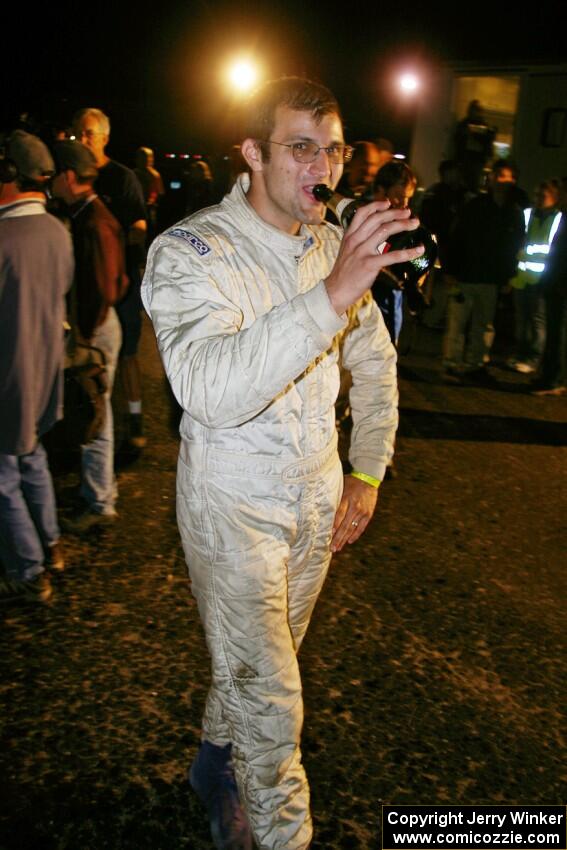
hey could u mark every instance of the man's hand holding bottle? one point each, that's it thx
(360, 257)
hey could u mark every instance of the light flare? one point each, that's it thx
(409, 83)
(243, 75)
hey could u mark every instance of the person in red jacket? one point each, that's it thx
(100, 281)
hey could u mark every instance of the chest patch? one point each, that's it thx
(200, 247)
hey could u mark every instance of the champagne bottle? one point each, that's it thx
(345, 209)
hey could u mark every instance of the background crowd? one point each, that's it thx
(74, 229)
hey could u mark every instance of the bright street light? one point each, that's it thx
(409, 83)
(243, 75)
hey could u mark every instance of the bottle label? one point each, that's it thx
(341, 206)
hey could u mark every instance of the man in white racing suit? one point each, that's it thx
(252, 300)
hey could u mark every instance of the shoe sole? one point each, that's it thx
(98, 521)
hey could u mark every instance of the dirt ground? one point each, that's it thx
(434, 668)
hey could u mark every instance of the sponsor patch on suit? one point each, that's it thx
(196, 242)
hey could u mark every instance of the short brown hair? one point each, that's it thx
(296, 93)
(394, 173)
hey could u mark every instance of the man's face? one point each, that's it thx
(504, 175)
(89, 133)
(364, 166)
(545, 198)
(60, 188)
(285, 197)
(398, 195)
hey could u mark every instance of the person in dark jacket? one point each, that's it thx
(36, 269)
(440, 206)
(100, 282)
(395, 182)
(473, 145)
(118, 188)
(481, 260)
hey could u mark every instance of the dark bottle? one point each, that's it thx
(345, 208)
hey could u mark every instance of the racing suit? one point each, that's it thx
(250, 343)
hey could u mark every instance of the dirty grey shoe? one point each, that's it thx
(85, 520)
(212, 778)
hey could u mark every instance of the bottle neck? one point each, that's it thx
(344, 209)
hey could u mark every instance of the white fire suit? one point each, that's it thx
(250, 343)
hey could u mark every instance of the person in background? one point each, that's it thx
(36, 270)
(152, 187)
(360, 172)
(541, 221)
(481, 260)
(395, 182)
(385, 151)
(506, 171)
(440, 206)
(473, 145)
(200, 186)
(227, 169)
(119, 189)
(100, 282)
(552, 379)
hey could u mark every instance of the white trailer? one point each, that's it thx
(526, 104)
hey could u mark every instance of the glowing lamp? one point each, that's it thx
(409, 83)
(243, 75)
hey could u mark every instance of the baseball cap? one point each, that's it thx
(30, 156)
(73, 156)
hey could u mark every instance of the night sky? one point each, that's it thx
(158, 72)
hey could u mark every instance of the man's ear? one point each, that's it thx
(251, 152)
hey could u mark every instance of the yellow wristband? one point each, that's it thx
(368, 479)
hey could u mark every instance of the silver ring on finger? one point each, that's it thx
(354, 523)
(380, 247)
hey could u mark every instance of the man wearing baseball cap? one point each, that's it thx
(100, 281)
(36, 269)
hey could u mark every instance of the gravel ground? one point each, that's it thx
(434, 668)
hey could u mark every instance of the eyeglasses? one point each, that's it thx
(88, 134)
(309, 151)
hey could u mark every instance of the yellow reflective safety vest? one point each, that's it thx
(539, 236)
